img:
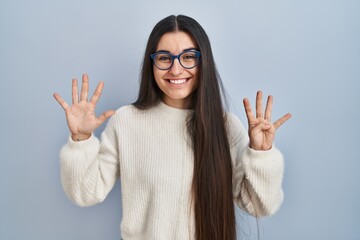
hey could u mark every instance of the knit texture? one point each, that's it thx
(150, 151)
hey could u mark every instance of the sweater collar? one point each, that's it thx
(163, 107)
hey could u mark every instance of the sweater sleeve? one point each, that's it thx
(257, 175)
(89, 168)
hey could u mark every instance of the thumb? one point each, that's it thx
(105, 116)
(261, 127)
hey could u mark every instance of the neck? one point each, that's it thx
(178, 103)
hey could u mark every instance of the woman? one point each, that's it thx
(182, 161)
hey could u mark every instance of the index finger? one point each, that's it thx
(248, 110)
(97, 93)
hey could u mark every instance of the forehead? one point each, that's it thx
(175, 42)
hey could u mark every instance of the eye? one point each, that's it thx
(163, 58)
(190, 56)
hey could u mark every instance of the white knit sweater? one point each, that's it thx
(151, 153)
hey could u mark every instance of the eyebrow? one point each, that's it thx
(187, 49)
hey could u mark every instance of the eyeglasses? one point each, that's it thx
(164, 60)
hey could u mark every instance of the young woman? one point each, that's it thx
(182, 160)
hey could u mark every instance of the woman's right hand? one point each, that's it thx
(80, 116)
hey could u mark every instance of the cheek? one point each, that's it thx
(157, 75)
(195, 74)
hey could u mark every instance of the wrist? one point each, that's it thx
(260, 148)
(80, 137)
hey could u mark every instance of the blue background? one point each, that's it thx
(306, 53)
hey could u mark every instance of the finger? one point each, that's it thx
(282, 120)
(75, 96)
(97, 93)
(261, 127)
(61, 101)
(259, 113)
(248, 110)
(105, 116)
(268, 108)
(84, 88)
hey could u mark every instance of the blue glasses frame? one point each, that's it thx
(173, 57)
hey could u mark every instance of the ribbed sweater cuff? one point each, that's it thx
(91, 142)
(271, 158)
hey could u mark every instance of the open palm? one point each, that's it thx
(80, 116)
(261, 130)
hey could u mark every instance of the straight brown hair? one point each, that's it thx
(212, 177)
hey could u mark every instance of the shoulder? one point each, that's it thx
(232, 121)
(124, 114)
(129, 115)
(127, 111)
(234, 127)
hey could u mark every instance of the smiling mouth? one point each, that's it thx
(178, 81)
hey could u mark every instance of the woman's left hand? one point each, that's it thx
(261, 130)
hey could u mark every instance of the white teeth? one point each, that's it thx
(178, 81)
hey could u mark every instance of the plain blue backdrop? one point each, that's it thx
(306, 53)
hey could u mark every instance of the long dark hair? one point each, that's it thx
(212, 177)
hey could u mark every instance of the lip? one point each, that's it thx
(178, 85)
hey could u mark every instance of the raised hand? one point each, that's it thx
(261, 130)
(80, 116)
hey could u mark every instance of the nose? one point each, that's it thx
(176, 69)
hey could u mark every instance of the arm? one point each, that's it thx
(257, 164)
(257, 175)
(88, 169)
